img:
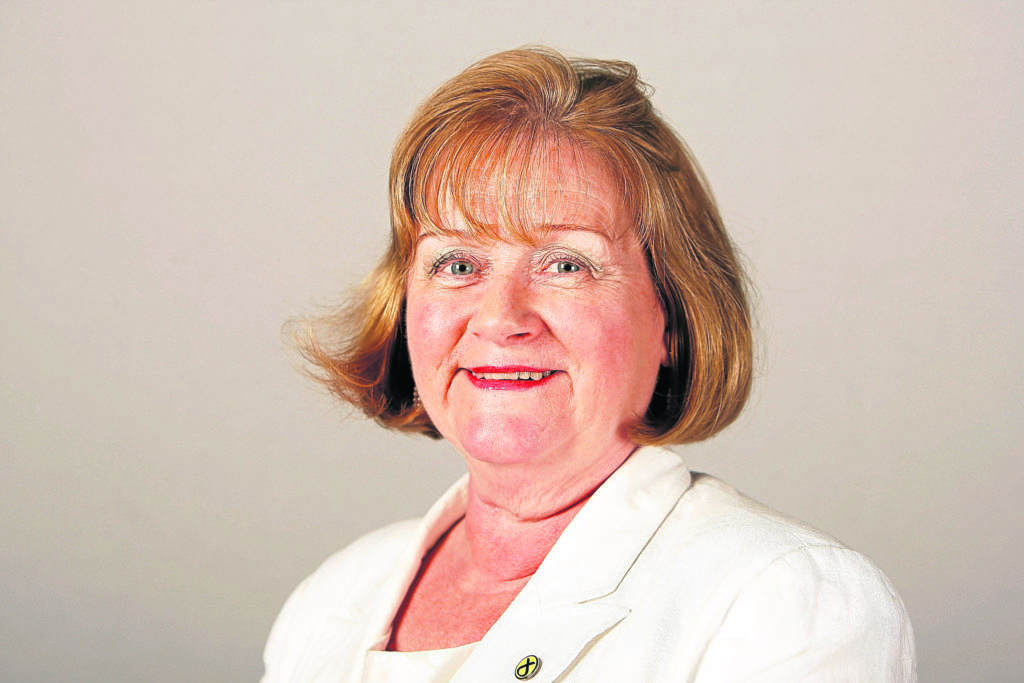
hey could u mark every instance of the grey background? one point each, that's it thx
(176, 179)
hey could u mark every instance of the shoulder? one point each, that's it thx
(792, 603)
(341, 591)
(749, 546)
(724, 541)
(715, 532)
(817, 612)
(713, 507)
(348, 572)
(362, 560)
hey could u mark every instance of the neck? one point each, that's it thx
(505, 547)
(507, 532)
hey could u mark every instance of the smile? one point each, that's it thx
(514, 378)
(519, 374)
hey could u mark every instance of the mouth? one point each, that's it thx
(508, 377)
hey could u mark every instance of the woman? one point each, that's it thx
(559, 299)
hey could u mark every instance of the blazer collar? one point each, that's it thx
(601, 543)
(569, 601)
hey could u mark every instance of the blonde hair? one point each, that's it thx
(496, 118)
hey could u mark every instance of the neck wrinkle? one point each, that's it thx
(507, 543)
(506, 548)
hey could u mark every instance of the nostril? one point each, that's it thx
(504, 312)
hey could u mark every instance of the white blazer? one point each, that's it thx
(660, 577)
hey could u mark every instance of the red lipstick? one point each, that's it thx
(508, 377)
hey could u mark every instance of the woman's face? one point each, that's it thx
(542, 352)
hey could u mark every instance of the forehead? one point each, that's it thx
(556, 187)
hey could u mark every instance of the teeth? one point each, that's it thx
(522, 374)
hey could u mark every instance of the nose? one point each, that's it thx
(505, 313)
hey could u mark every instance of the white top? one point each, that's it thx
(428, 666)
(660, 577)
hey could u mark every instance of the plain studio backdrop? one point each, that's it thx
(177, 179)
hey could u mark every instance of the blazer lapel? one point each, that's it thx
(570, 601)
(554, 636)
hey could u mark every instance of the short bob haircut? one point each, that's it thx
(495, 120)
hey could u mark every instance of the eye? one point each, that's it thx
(456, 265)
(460, 268)
(567, 263)
(566, 267)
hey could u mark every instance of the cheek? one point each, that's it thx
(619, 352)
(429, 328)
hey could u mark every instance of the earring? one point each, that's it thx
(416, 403)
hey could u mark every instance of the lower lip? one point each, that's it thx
(508, 384)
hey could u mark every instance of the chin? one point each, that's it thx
(505, 440)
